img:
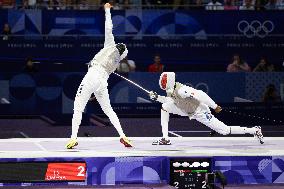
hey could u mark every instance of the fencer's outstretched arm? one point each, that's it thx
(186, 91)
(109, 38)
(162, 99)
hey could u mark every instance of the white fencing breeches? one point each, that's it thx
(94, 82)
(202, 115)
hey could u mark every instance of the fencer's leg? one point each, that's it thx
(242, 130)
(102, 97)
(165, 123)
(167, 108)
(211, 121)
(76, 121)
(82, 96)
(165, 129)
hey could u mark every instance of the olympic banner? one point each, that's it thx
(194, 37)
(138, 23)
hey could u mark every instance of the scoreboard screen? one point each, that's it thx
(42, 171)
(189, 173)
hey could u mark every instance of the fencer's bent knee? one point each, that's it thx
(164, 110)
(166, 107)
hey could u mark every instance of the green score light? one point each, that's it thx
(199, 171)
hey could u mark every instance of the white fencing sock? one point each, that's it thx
(165, 123)
(76, 121)
(242, 130)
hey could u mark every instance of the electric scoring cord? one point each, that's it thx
(253, 116)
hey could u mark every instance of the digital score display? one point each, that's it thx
(42, 171)
(189, 173)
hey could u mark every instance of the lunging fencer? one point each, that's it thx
(187, 101)
(95, 82)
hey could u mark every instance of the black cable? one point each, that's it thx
(253, 116)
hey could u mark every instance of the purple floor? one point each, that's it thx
(274, 186)
(100, 187)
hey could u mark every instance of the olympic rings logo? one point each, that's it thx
(255, 28)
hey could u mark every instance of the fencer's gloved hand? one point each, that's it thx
(153, 95)
(218, 109)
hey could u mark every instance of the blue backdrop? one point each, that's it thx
(256, 32)
(139, 22)
(54, 93)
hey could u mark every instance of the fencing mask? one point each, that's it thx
(167, 81)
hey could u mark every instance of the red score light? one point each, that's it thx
(66, 172)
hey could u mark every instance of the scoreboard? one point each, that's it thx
(189, 173)
(42, 172)
(184, 172)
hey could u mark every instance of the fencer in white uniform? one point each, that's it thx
(95, 82)
(187, 101)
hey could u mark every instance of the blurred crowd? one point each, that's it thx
(237, 64)
(145, 4)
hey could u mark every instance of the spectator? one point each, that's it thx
(264, 66)
(238, 65)
(115, 5)
(247, 5)
(42, 4)
(32, 3)
(126, 66)
(184, 4)
(51, 5)
(6, 31)
(136, 4)
(94, 4)
(30, 67)
(176, 4)
(25, 4)
(271, 5)
(83, 5)
(156, 66)
(125, 4)
(270, 94)
(7, 4)
(198, 5)
(230, 5)
(280, 4)
(159, 3)
(214, 5)
(259, 4)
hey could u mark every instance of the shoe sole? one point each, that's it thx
(71, 146)
(156, 144)
(126, 144)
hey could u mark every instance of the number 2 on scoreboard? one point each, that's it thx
(81, 171)
(176, 184)
(204, 184)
